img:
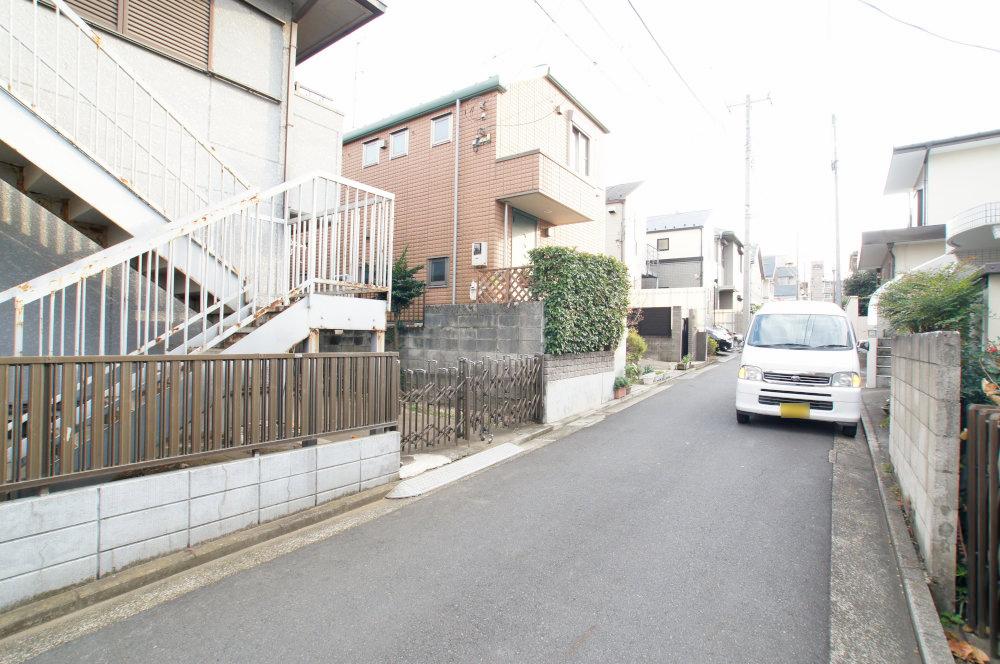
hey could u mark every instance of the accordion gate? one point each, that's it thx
(439, 406)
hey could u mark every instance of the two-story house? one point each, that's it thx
(484, 174)
(122, 116)
(953, 186)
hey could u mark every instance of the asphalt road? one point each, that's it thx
(665, 533)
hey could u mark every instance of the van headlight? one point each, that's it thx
(846, 379)
(748, 372)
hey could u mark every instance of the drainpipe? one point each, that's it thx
(506, 237)
(293, 41)
(454, 223)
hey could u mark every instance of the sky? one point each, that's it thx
(888, 84)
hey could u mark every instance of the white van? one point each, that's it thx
(800, 360)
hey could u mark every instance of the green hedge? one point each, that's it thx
(585, 298)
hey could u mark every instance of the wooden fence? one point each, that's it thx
(439, 406)
(509, 285)
(78, 417)
(981, 528)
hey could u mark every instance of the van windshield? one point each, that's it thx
(801, 332)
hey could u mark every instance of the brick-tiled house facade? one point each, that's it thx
(528, 163)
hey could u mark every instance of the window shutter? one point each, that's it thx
(100, 12)
(177, 27)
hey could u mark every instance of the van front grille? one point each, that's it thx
(796, 379)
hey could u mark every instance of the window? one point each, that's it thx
(399, 143)
(437, 272)
(663, 244)
(441, 129)
(369, 154)
(580, 152)
(179, 28)
(801, 331)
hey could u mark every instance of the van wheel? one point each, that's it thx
(849, 430)
(742, 418)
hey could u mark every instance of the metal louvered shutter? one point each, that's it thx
(177, 27)
(101, 12)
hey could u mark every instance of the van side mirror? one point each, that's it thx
(863, 345)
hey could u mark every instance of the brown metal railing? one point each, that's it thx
(69, 418)
(509, 285)
(982, 521)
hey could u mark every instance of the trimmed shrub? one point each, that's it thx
(635, 346)
(585, 298)
(928, 301)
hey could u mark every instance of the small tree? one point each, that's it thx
(861, 284)
(635, 346)
(405, 286)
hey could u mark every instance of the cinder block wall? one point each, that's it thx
(923, 446)
(577, 382)
(472, 331)
(54, 541)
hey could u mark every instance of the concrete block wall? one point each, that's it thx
(924, 447)
(668, 349)
(472, 331)
(577, 382)
(54, 541)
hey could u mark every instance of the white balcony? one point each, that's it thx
(975, 228)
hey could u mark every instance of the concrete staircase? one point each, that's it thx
(883, 362)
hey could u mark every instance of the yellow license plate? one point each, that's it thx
(799, 411)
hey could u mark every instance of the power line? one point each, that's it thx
(671, 62)
(590, 58)
(926, 31)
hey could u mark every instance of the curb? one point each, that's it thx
(91, 592)
(923, 614)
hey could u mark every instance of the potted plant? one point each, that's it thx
(685, 363)
(621, 387)
(648, 376)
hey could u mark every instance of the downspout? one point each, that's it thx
(454, 224)
(293, 43)
(506, 237)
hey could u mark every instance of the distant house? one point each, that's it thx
(484, 174)
(625, 231)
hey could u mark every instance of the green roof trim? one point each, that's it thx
(490, 84)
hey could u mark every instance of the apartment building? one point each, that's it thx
(821, 289)
(484, 174)
(123, 116)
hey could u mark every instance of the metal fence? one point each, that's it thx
(439, 406)
(509, 285)
(71, 418)
(981, 527)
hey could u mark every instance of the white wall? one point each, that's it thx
(64, 538)
(960, 179)
(316, 135)
(993, 307)
(684, 242)
(910, 255)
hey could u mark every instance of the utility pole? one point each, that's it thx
(837, 286)
(747, 104)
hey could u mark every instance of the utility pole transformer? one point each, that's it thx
(747, 103)
(837, 284)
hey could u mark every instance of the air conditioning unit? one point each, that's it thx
(479, 254)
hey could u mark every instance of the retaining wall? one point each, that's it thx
(577, 382)
(54, 541)
(923, 446)
(474, 332)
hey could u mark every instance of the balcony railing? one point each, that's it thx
(980, 216)
(55, 64)
(509, 285)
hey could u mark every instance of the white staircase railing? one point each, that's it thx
(54, 63)
(194, 283)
